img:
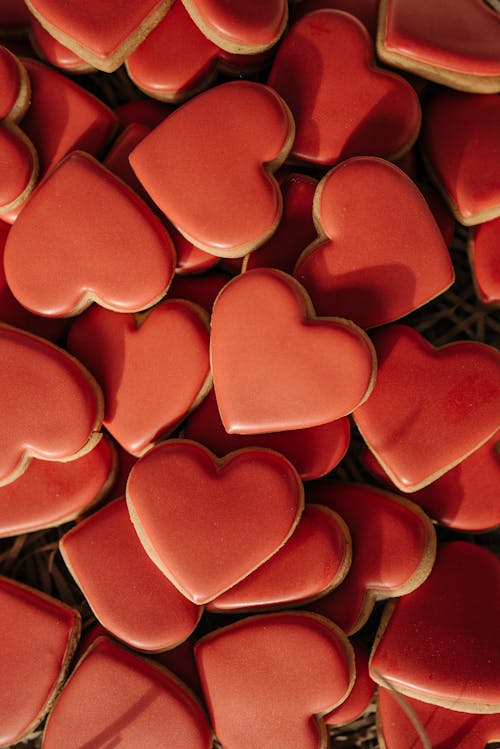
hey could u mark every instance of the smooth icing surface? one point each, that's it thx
(314, 560)
(245, 125)
(380, 254)
(314, 452)
(54, 52)
(19, 166)
(453, 410)
(209, 523)
(103, 244)
(260, 680)
(484, 256)
(240, 26)
(50, 493)
(440, 643)
(365, 11)
(342, 105)
(296, 229)
(37, 638)
(361, 694)
(446, 729)
(464, 129)
(190, 259)
(126, 591)
(202, 290)
(466, 497)
(152, 372)
(263, 323)
(50, 408)
(10, 82)
(393, 549)
(114, 696)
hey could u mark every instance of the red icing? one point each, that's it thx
(393, 549)
(55, 52)
(100, 244)
(202, 290)
(342, 105)
(178, 492)
(484, 255)
(18, 167)
(263, 323)
(245, 125)
(10, 82)
(267, 679)
(37, 637)
(143, 112)
(361, 694)
(380, 254)
(453, 410)
(314, 452)
(126, 591)
(365, 11)
(152, 371)
(440, 644)
(115, 696)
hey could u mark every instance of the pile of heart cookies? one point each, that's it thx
(219, 226)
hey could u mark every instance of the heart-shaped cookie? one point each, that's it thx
(147, 112)
(50, 49)
(464, 129)
(114, 698)
(15, 89)
(208, 523)
(51, 406)
(86, 237)
(440, 643)
(219, 190)
(365, 11)
(452, 408)
(484, 259)
(452, 42)
(314, 452)
(126, 591)
(342, 104)
(268, 680)
(394, 546)
(38, 639)
(380, 254)
(153, 370)
(361, 694)
(19, 168)
(103, 34)
(314, 560)
(276, 366)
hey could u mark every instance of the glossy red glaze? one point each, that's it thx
(115, 696)
(116, 160)
(440, 643)
(342, 105)
(201, 519)
(153, 372)
(245, 126)
(453, 409)
(37, 638)
(50, 49)
(19, 166)
(101, 244)
(202, 290)
(393, 549)
(365, 11)
(361, 694)
(190, 259)
(484, 256)
(314, 452)
(322, 368)
(274, 660)
(126, 591)
(380, 254)
(10, 82)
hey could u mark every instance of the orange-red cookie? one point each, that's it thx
(365, 11)
(430, 408)
(484, 258)
(443, 728)
(51, 493)
(126, 591)
(276, 366)
(464, 129)
(247, 134)
(361, 694)
(85, 237)
(104, 32)
(208, 523)
(153, 370)
(239, 26)
(19, 168)
(314, 560)
(201, 290)
(440, 643)
(380, 253)
(51, 406)
(114, 698)
(50, 49)
(466, 497)
(268, 680)
(314, 452)
(452, 42)
(38, 636)
(342, 104)
(394, 547)
(15, 89)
